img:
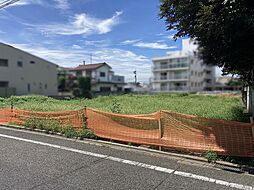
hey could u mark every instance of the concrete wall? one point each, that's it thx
(40, 75)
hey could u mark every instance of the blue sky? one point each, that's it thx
(124, 33)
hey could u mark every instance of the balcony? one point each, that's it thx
(167, 89)
(175, 78)
(179, 66)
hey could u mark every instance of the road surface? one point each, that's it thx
(30, 160)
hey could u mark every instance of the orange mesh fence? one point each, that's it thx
(74, 118)
(177, 131)
(143, 129)
(167, 129)
(200, 134)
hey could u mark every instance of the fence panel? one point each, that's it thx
(200, 134)
(74, 118)
(142, 129)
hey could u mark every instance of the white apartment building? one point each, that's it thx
(22, 73)
(182, 71)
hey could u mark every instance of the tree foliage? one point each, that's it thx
(84, 84)
(224, 30)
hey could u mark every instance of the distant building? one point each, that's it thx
(225, 83)
(137, 88)
(22, 73)
(182, 71)
(102, 77)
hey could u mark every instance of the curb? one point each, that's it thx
(218, 164)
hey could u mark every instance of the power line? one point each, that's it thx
(7, 3)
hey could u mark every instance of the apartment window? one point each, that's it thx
(164, 86)
(45, 86)
(4, 83)
(32, 62)
(164, 65)
(28, 87)
(163, 76)
(3, 62)
(102, 74)
(20, 64)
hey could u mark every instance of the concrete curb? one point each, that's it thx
(244, 168)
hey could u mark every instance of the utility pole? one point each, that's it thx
(91, 58)
(135, 77)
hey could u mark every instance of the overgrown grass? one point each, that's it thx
(208, 106)
(55, 126)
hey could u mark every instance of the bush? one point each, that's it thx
(211, 156)
(56, 126)
(116, 107)
(86, 134)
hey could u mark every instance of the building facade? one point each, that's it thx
(22, 73)
(181, 71)
(102, 77)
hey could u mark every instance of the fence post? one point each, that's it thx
(11, 111)
(85, 118)
(160, 128)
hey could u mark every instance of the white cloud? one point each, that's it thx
(97, 43)
(82, 24)
(58, 4)
(28, 2)
(123, 62)
(127, 42)
(62, 4)
(171, 37)
(154, 45)
(75, 46)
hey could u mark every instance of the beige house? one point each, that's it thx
(22, 73)
(102, 77)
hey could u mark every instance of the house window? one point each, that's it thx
(45, 86)
(102, 74)
(20, 64)
(3, 62)
(32, 62)
(28, 87)
(4, 84)
(40, 86)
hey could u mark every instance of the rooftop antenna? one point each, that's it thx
(91, 58)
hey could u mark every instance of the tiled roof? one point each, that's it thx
(88, 67)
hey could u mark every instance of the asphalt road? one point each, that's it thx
(30, 160)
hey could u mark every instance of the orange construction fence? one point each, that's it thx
(166, 129)
(73, 118)
(176, 131)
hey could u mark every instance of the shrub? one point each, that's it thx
(211, 156)
(86, 134)
(116, 107)
(69, 132)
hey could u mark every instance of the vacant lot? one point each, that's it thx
(222, 107)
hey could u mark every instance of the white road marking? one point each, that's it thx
(138, 164)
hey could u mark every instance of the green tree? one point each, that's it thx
(61, 83)
(224, 30)
(84, 84)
